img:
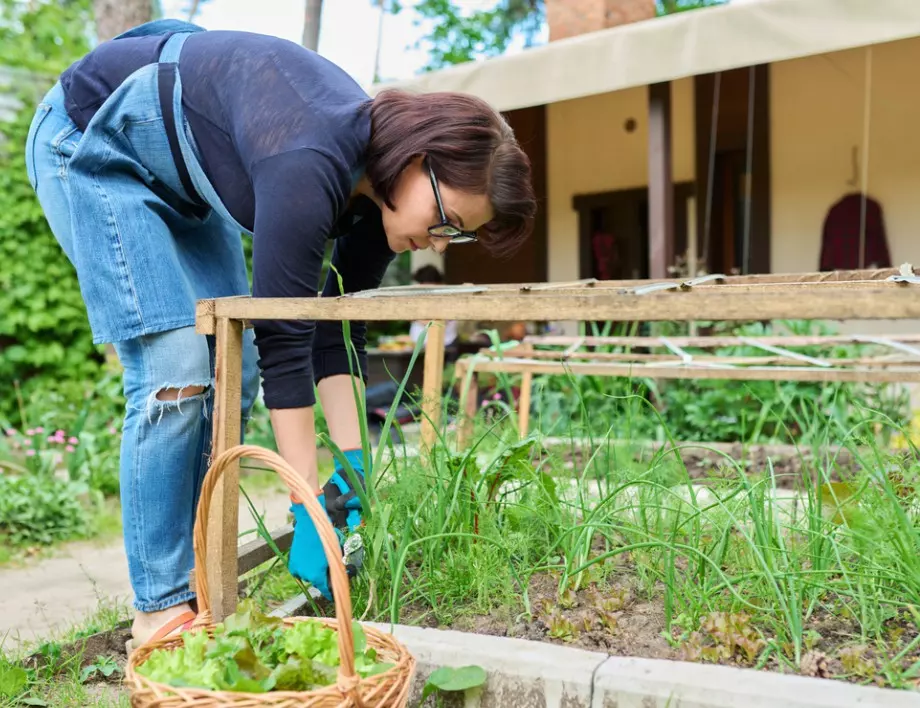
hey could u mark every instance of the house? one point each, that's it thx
(720, 137)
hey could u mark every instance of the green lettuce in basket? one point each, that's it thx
(255, 653)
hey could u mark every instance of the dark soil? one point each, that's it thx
(620, 620)
(86, 651)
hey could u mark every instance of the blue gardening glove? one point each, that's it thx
(307, 561)
(342, 502)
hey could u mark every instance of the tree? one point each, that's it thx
(669, 7)
(193, 8)
(312, 16)
(116, 16)
(45, 339)
(460, 36)
(42, 36)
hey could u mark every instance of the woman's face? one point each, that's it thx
(416, 209)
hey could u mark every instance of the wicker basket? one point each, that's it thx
(386, 690)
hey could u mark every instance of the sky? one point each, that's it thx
(348, 31)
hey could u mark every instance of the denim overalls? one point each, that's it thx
(147, 241)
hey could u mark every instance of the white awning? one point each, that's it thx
(681, 45)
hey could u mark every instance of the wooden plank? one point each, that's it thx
(524, 400)
(660, 181)
(777, 373)
(524, 403)
(223, 522)
(703, 342)
(819, 301)
(258, 551)
(432, 384)
(254, 553)
(558, 356)
(839, 276)
(204, 317)
(468, 403)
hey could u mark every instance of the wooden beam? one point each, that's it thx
(525, 398)
(834, 276)
(432, 382)
(716, 340)
(469, 399)
(204, 317)
(660, 181)
(256, 552)
(776, 373)
(702, 359)
(882, 300)
(223, 522)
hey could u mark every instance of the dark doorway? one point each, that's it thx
(471, 263)
(734, 233)
(613, 232)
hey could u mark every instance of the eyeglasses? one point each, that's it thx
(445, 229)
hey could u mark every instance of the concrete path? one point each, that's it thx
(52, 595)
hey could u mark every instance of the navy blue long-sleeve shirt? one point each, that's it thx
(282, 134)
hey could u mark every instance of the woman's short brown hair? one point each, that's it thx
(469, 145)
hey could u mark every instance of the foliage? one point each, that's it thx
(708, 409)
(453, 679)
(460, 35)
(36, 510)
(670, 7)
(58, 463)
(740, 572)
(44, 333)
(43, 36)
(256, 653)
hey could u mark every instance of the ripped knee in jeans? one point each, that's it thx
(176, 394)
(169, 396)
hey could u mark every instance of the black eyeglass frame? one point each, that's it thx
(445, 229)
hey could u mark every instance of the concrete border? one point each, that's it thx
(531, 674)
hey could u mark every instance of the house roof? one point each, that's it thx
(674, 47)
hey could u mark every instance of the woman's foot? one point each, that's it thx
(157, 625)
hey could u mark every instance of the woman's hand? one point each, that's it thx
(307, 560)
(342, 502)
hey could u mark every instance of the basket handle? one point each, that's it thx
(348, 680)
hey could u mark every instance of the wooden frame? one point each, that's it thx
(885, 294)
(568, 356)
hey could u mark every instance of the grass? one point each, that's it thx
(814, 570)
(103, 527)
(66, 670)
(808, 565)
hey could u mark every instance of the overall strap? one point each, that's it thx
(167, 69)
(173, 47)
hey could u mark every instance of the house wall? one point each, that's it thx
(817, 118)
(589, 150)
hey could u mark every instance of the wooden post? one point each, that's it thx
(223, 524)
(468, 403)
(526, 389)
(660, 181)
(524, 403)
(432, 382)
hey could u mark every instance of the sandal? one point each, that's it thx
(176, 625)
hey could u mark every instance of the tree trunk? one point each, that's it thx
(116, 16)
(193, 10)
(311, 19)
